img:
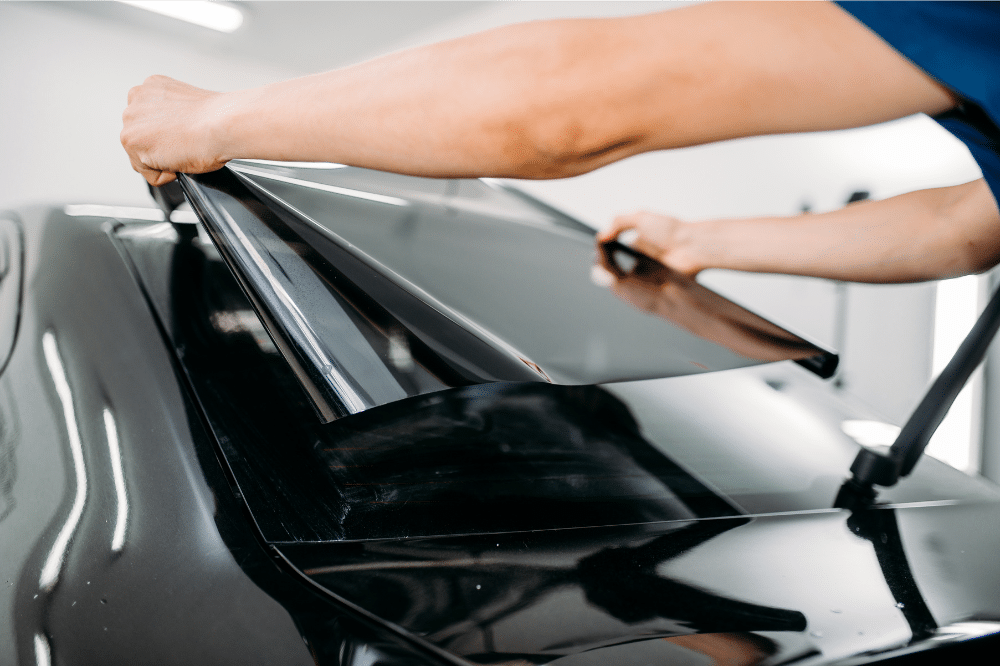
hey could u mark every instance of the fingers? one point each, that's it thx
(154, 177)
(653, 234)
(645, 232)
(674, 247)
(618, 225)
(158, 178)
(164, 131)
(665, 239)
(606, 272)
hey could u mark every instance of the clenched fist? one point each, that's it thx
(171, 127)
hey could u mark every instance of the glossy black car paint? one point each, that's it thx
(185, 582)
(237, 548)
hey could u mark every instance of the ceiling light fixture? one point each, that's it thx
(214, 15)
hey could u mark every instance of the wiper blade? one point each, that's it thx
(884, 468)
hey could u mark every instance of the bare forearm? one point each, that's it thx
(924, 235)
(547, 99)
(559, 98)
(510, 102)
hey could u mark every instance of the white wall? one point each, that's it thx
(64, 77)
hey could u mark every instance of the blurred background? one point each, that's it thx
(66, 68)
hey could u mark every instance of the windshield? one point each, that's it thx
(500, 457)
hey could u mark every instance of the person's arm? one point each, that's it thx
(547, 99)
(923, 235)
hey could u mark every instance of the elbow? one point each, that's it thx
(977, 258)
(971, 216)
(558, 115)
(540, 145)
(543, 146)
(561, 128)
(524, 158)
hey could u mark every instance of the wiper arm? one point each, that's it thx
(876, 468)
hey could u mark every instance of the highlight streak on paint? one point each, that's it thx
(43, 653)
(54, 561)
(121, 521)
(344, 191)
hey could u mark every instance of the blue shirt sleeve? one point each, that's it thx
(958, 44)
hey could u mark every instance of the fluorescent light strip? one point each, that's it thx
(357, 194)
(214, 15)
(294, 165)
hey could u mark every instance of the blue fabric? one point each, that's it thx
(957, 43)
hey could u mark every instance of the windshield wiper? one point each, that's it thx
(884, 468)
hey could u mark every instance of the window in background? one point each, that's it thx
(959, 438)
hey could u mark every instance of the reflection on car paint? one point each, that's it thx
(542, 596)
(9, 429)
(54, 561)
(88, 343)
(121, 495)
(487, 598)
(43, 652)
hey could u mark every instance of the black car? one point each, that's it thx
(344, 417)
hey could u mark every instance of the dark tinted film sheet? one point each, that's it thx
(521, 275)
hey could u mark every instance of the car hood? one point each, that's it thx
(826, 586)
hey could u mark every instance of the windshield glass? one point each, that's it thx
(501, 457)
